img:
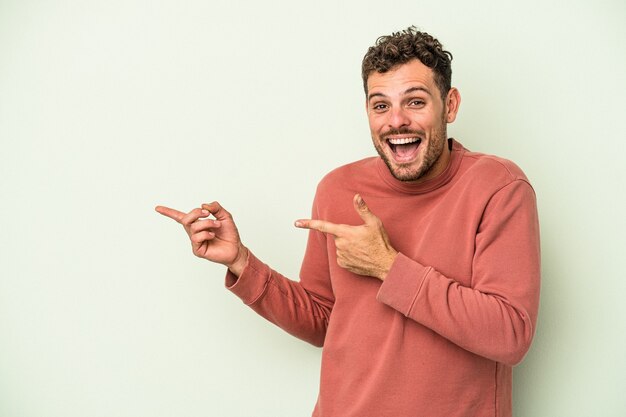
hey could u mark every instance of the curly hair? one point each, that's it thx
(401, 47)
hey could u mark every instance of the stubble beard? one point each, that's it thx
(434, 149)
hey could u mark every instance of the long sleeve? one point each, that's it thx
(300, 308)
(495, 315)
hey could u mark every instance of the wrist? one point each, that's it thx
(240, 261)
(390, 260)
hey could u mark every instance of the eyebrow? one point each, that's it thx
(407, 91)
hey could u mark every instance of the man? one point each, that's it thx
(421, 274)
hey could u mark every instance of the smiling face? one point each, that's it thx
(408, 119)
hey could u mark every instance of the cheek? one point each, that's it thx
(373, 123)
(424, 120)
(377, 122)
(429, 125)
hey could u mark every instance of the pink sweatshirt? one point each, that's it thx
(439, 336)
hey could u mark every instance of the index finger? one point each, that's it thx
(171, 213)
(319, 225)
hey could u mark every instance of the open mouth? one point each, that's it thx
(404, 149)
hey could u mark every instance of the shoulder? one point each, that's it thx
(485, 181)
(346, 176)
(336, 190)
(490, 169)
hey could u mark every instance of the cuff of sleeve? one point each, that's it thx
(400, 288)
(252, 282)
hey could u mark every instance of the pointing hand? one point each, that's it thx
(364, 249)
(214, 239)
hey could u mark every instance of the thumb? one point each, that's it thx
(219, 212)
(364, 211)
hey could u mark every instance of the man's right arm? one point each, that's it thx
(301, 310)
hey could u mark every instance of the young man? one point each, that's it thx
(421, 274)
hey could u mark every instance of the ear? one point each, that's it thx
(453, 101)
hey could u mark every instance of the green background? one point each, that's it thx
(110, 108)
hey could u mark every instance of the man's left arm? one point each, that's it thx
(495, 316)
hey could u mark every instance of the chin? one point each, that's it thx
(406, 173)
(407, 176)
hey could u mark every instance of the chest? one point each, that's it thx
(437, 230)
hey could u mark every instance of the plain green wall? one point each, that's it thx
(109, 108)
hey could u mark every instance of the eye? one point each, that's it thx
(379, 107)
(417, 102)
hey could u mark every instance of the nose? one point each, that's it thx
(398, 118)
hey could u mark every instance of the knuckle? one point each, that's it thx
(188, 220)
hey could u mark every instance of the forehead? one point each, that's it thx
(399, 78)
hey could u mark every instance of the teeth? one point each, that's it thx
(402, 141)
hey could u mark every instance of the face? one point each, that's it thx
(408, 119)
